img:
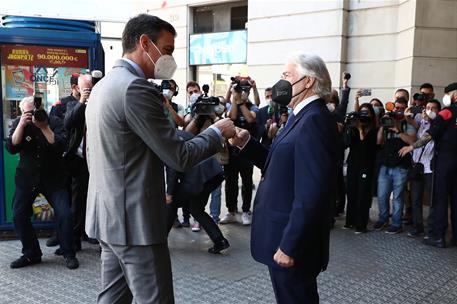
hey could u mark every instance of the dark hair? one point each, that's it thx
(143, 24)
(377, 100)
(436, 102)
(370, 109)
(404, 91)
(268, 89)
(426, 86)
(402, 100)
(192, 84)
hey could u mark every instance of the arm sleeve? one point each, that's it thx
(341, 109)
(255, 152)
(60, 136)
(74, 117)
(439, 124)
(13, 149)
(315, 166)
(145, 116)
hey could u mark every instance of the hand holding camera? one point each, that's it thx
(26, 119)
(85, 93)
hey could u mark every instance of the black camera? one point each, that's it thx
(242, 84)
(205, 105)
(416, 110)
(388, 120)
(38, 113)
(362, 116)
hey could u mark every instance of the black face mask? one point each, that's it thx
(282, 91)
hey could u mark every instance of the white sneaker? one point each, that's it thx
(196, 227)
(228, 218)
(246, 218)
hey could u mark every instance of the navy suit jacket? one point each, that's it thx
(293, 201)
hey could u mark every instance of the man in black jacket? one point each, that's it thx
(40, 142)
(75, 157)
(60, 108)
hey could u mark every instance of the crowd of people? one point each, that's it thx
(402, 152)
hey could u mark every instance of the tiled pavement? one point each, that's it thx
(368, 268)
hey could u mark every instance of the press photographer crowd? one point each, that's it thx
(403, 152)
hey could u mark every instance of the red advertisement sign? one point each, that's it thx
(46, 56)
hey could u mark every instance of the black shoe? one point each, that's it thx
(52, 241)
(361, 231)
(394, 230)
(58, 251)
(219, 246)
(25, 261)
(416, 232)
(71, 262)
(440, 243)
(185, 223)
(347, 227)
(92, 241)
(380, 225)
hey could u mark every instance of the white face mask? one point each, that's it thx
(331, 107)
(431, 114)
(164, 67)
(447, 100)
(193, 98)
(168, 94)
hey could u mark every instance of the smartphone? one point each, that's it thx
(366, 92)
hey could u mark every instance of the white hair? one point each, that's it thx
(313, 66)
(84, 78)
(28, 99)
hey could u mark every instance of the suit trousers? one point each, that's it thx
(292, 286)
(138, 273)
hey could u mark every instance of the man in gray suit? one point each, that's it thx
(129, 139)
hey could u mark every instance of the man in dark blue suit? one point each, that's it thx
(292, 209)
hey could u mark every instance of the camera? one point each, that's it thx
(38, 113)
(362, 116)
(421, 97)
(242, 84)
(205, 105)
(388, 120)
(416, 110)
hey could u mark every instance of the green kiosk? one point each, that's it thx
(39, 55)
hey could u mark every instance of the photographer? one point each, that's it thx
(60, 107)
(394, 134)
(172, 109)
(422, 180)
(362, 140)
(206, 110)
(243, 113)
(40, 140)
(194, 187)
(269, 119)
(443, 132)
(75, 158)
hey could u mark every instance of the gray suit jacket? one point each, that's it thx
(129, 139)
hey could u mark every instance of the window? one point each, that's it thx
(239, 17)
(203, 20)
